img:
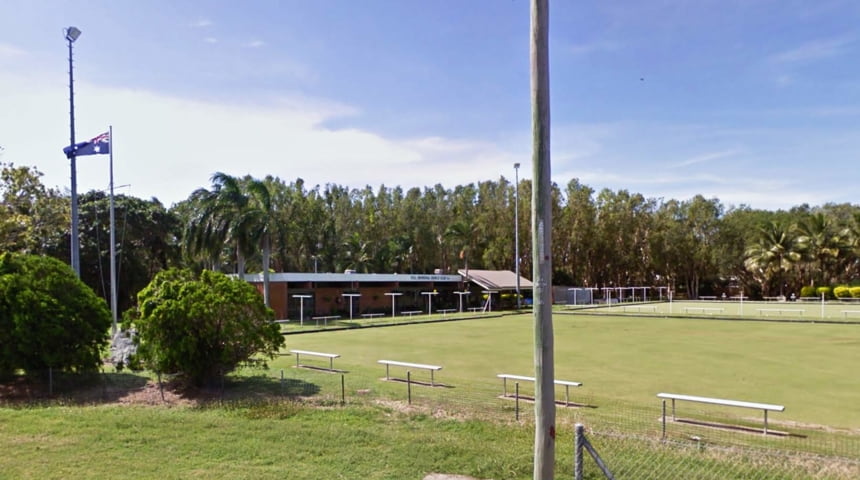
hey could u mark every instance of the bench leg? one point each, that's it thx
(297, 360)
(673, 410)
(567, 395)
(765, 422)
(331, 364)
(432, 384)
(504, 387)
(386, 372)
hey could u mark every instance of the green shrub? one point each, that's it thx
(203, 327)
(48, 317)
(807, 291)
(855, 292)
(823, 290)
(841, 291)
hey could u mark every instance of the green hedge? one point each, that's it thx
(825, 290)
(855, 292)
(842, 291)
(807, 291)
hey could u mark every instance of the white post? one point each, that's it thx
(460, 294)
(429, 300)
(302, 307)
(822, 305)
(113, 287)
(350, 296)
(393, 295)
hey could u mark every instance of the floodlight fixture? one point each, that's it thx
(72, 34)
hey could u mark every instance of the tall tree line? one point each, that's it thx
(606, 238)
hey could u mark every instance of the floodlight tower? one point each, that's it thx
(517, 229)
(72, 34)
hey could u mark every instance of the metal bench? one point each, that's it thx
(325, 319)
(845, 313)
(780, 311)
(430, 368)
(330, 356)
(640, 308)
(710, 310)
(766, 407)
(412, 312)
(567, 384)
(372, 315)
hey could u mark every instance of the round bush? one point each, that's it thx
(823, 290)
(855, 292)
(203, 327)
(841, 292)
(807, 291)
(48, 317)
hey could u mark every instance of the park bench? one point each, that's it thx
(445, 311)
(765, 407)
(567, 384)
(640, 308)
(329, 356)
(421, 366)
(325, 319)
(845, 313)
(780, 311)
(809, 299)
(707, 297)
(710, 310)
(475, 309)
(412, 312)
(372, 315)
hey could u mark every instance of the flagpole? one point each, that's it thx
(113, 288)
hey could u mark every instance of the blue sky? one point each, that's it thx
(754, 102)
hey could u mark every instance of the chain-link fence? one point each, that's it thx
(701, 442)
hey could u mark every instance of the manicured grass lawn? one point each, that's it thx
(463, 427)
(809, 368)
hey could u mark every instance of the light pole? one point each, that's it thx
(517, 228)
(72, 34)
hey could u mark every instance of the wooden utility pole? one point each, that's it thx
(544, 461)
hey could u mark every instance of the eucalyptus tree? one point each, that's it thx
(33, 218)
(574, 231)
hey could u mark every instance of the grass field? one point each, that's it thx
(809, 368)
(624, 360)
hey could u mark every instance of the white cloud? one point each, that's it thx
(166, 147)
(594, 47)
(202, 23)
(814, 50)
(9, 51)
(706, 157)
(255, 44)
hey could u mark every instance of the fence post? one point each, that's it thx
(342, 390)
(517, 401)
(50, 381)
(409, 387)
(577, 452)
(282, 381)
(664, 419)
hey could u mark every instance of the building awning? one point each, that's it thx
(495, 279)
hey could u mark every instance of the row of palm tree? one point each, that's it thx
(815, 251)
(599, 238)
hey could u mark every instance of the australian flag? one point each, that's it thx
(98, 145)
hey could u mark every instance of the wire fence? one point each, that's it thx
(634, 441)
(702, 442)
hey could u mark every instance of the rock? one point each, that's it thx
(122, 347)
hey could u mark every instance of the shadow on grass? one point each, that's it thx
(130, 388)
